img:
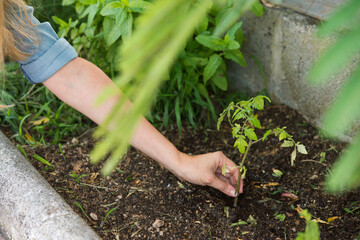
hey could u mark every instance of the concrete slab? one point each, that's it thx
(29, 207)
(284, 44)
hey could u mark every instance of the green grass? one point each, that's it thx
(38, 117)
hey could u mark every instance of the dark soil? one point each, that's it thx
(139, 192)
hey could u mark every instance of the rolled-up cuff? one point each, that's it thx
(56, 57)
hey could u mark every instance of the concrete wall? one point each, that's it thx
(284, 44)
(29, 207)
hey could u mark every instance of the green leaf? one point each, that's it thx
(277, 173)
(235, 130)
(191, 114)
(240, 143)
(214, 63)
(345, 109)
(287, 144)
(92, 10)
(224, 170)
(257, 9)
(249, 132)
(68, 2)
(335, 58)
(312, 231)
(283, 135)
(203, 26)
(238, 224)
(231, 33)
(233, 45)
(280, 217)
(255, 122)
(202, 90)
(139, 5)
(220, 119)
(120, 16)
(126, 26)
(178, 113)
(301, 148)
(40, 159)
(258, 102)
(21, 149)
(346, 171)
(111, 8)
(266, 134)
(112, 31)
(60, 22)
(236, 56)
(232, 15)
(211, 42)
(220, 80)
(87, 2)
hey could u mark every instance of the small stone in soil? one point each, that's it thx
(158, 223)
(94, 216)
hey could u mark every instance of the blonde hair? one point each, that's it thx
(15, 28)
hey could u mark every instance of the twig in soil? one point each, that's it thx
(108, 205)
(89, 185)
(86, 132)
(310, 160)
(136, 232)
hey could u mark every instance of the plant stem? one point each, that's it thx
(240, 170)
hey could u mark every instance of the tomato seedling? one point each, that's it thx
(243, 121)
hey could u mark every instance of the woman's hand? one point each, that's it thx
(206, 169)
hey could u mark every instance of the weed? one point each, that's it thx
(109, 212)
(42, 160)
(353, 207)
(77, 178)
(21, 149)
(82, 210)
(241, 117)
(61, 151)
(280, 217)
(277, 173)
(238, 223)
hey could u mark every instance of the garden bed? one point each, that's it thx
(142, 200)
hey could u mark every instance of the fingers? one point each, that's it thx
(223, 186)
(233, 174)
(230, 180)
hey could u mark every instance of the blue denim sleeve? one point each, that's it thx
(48, 56)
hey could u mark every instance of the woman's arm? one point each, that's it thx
(79, 83)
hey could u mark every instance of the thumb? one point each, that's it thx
(223, 186)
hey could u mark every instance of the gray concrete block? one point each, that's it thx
(285, 45)
(29, 207)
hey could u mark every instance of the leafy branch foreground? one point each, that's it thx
(161, 33)
(243, 121)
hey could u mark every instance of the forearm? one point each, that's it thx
(79, 84)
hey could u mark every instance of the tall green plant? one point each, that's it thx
(345, 25)
(146, 57)
(198, 74)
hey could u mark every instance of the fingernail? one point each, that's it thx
(233, 193)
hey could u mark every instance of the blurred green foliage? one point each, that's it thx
(344, 26)
(147, 55)
(312, 231)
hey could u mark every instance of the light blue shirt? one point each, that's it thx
(49, 56)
